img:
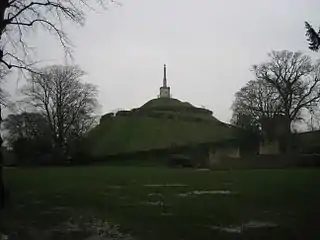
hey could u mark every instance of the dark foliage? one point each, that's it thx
(36, 151)
(313, 37)
(123, 113)
(29, 136)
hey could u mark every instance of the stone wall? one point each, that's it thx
(269, 147)
(217, 154)
(232, 152)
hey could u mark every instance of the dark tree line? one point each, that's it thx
(285, 87)
(63, 112)
(19, 18)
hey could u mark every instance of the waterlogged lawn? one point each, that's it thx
(160, 203)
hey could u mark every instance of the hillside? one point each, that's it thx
(166, 102)
(160, 123)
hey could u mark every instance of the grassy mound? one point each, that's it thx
(169, 102)
(129, 134)
(158, 124)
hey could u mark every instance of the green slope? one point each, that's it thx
(160, 123)
(136, 133)
(168, 102)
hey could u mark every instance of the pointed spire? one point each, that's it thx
(164, 76)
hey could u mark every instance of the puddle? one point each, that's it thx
(61, 208)
(154, 185)
(247, 226)
(220, 192)
(203, 169)
(115, 187)
(88, 229)
(96, 229)
(214, 192)
(157, 203)
(106, 231)
(228, 183)
(166, 214)
(228, 229)
(184, 194)
(259, 224)
(166, 185)
(155, 195)
(72, 227)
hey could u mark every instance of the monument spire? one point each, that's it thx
(164, 75)
(164, 89)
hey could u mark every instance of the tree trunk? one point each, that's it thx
(2, 191)
(288, 136)
(2, 10)
(59, 151)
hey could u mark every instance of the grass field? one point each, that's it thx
(160, 203)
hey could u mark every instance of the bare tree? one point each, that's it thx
(3, 102)
(253, 102)
(67, 103)
(296, 80)
(18, 18)
(4, 96)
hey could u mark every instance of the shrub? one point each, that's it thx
(123, 113)
(180, 160)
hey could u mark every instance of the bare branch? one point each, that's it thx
(290, 74)
(67, 103)
(18, 17)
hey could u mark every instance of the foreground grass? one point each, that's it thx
(43, 198)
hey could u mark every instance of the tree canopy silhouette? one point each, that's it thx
(67, 103)
(19, 19)
(287, 84)
(313, 37)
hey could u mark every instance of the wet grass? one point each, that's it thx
(155, 203)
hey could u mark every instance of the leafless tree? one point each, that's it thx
(19, 18)
(295, 78)
(3, 102)
(66, 102)
(4, 96)
(253, 102)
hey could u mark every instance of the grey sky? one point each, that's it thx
(208, 46)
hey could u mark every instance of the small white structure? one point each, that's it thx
(164, 90)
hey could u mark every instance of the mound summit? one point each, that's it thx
(160, 123)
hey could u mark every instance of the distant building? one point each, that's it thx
(165, 90)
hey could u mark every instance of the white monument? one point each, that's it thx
(164, 90)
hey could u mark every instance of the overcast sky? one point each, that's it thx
(208, 46)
